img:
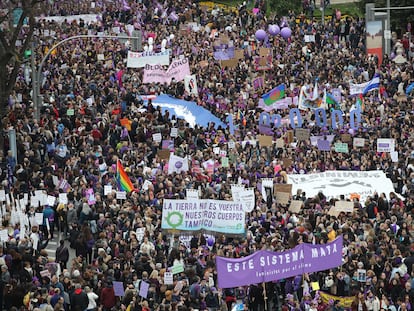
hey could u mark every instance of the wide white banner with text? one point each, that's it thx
(348, 183)
(209, 215)
(140, 59)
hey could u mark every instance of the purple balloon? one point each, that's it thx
(274, 30)
(260, 34)
(286, 33)
(210, 241)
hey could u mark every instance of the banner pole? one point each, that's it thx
(264, 296)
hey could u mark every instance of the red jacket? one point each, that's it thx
(108, 299)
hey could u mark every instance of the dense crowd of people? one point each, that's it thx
(79, 138)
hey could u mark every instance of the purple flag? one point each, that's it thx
(324, 145)
(267, 266)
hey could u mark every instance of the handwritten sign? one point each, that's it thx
(295, 206)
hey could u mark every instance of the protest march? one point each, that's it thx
(210, 158)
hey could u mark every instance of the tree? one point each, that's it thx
(17, 24)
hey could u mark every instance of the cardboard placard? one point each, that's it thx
(230, 63)
(264, 51)
(203, 63)
(289, 135)
(333, 212)
(224, 39)
(238, 54)
(295, 206)
(344, 206)
(282, 198)
(265, 140)
(287, 162)
(164, 154)
(287, 188)
(346, 138)
(280, 143)
(302, 134)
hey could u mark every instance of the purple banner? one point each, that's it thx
(267, 266)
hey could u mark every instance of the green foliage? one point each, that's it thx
(282, 7)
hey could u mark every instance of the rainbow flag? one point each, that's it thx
(274, 95)
(124, 183)
(360, 103)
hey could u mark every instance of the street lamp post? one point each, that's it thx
(38, 75)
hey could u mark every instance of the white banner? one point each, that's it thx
(334, 183)
(87, 18)
(210, 215)
(140, 59)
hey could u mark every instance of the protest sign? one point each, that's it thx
(267, 266)
(295, 206)
(385, 145)
(229, 63)
(265, 141)
(168, 278)
(359, 142)
(324, 145)
(346, 138)
(283, 188)
(282, 198)
(121, 195)
(212, 215)
(163, 154)
(143, 290)
(302, 134)
(118, 288)
(344, 206)
(341, 147)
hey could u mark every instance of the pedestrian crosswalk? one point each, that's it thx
(51, 247)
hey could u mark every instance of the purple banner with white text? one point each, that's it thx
(266, 266)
